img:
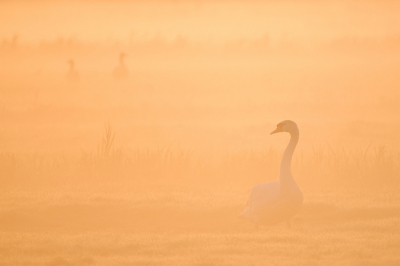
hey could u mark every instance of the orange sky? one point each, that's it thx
(203, 21)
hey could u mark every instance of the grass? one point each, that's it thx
(325, 166)
(176, 207)
(180, 227)
(139, 204)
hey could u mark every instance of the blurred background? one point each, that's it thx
(204, 79)
(132, 131)
(199, 74)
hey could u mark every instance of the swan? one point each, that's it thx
(121, 72)
(274, 202)
(72, 75)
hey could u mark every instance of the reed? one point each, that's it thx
(322, 167)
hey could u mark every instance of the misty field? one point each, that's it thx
(149, 172)
(131, 132)
(191, 226)
(171, 207)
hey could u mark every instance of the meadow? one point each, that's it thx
(176, 207)
(154, 169)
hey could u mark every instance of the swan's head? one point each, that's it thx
(286, 126)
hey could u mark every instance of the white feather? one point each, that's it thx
(274, 202)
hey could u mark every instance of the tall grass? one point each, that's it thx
(324, 166)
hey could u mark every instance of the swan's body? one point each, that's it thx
(274, 202)
(121, 71)
(72, 75)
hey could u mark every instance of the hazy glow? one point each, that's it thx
(131, 131)
(206, 21)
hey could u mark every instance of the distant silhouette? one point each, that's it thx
(274, 202)
(72, 75)
(121, 72)
(12, 43)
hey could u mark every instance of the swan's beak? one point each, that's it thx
(277, 130)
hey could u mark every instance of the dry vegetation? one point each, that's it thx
(153, 170)
(176, 207)
(321, 167)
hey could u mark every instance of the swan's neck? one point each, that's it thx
(285, 174)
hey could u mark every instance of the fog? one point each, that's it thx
(140, 111)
